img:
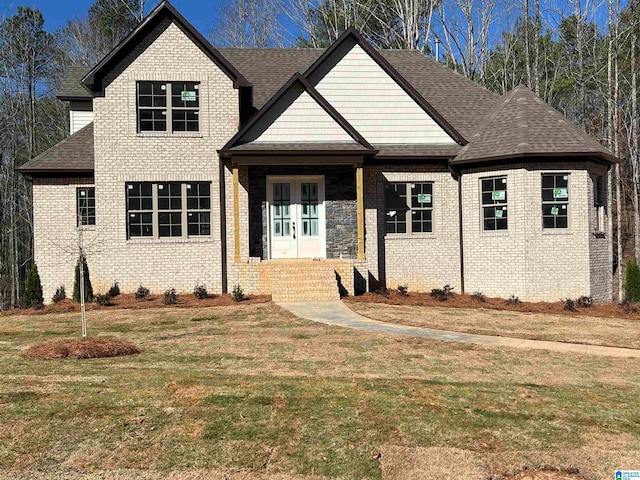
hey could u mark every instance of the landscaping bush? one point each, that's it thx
(88, 289)
(512, 300)
(569, 305)
(59, 295)
(382, 291)
(103, 300)
(170, 296)
(403, 290)
(628, 308)
(442, 294)
(237, 294)
(142, 292)
(114, 291)
(632, 281)
(584, 302)
(200, 292)
(33, 290)
(478, 297)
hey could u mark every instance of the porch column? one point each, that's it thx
(236, 214)
(360, 197)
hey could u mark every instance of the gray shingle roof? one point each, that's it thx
(460, 101)
(442, 151)
(300, 147)
(521, 125)
(74, 154)
(71, 87)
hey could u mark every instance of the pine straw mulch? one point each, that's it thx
(130, 302)
(547, 475)
(423, 299)
(100, 347)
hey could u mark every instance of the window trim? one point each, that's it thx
(168, 108)
(79, 216)
(566, 202)
(410, 209)
(496, 203)
(156, 211)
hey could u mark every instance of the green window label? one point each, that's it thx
(555, 210)
(560, 193)
(187, 96)
(498, 195)
(424, 198)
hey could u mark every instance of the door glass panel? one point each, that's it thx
(309, 201)
(281, 210)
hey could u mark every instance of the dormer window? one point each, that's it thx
(168, 107)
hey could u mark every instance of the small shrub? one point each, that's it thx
(569, 305)
(512, 300)
(237, 294)
(584, 302)
(628, 308)
(200, 292)
(114, 291)
(382, 291)
(632, 281)
(403, 290)
(33, 291)
(88, 288)
(104, 300)
(442, 294)
(170, 296)
(478, 297)
(142, 292)
(59, 295)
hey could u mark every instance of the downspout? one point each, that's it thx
(458, 177)
(223, 224)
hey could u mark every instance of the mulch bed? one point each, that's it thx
(423, 299)
(101, 347)
(547, 475)
(128, 301)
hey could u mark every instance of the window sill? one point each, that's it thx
(147, 241)
(558, 231)
(169, 135)
(87, 228)
(409, 236)
(599, 234)
(499, 233)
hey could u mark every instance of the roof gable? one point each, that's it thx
(522, 125)
(332, 74)
(161, 16)
(297, 114)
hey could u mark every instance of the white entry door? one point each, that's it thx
(296, 217)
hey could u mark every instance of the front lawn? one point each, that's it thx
(252, 389)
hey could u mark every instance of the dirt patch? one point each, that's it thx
(129, 302)
(81, 349)
(423, 299)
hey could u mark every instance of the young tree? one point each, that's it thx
(33, 291)
(88, 289)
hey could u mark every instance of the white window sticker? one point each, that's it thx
(504, 180)
(82, 193)
(560, 193)
(498, 195)
(160, 187)
(392, 213)
(130, 187)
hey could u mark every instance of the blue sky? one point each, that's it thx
(56, 12)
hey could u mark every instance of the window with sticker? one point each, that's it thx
(168, 106)
(409, 207)
(555, 200)
(494, 203)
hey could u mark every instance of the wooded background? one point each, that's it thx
(580, 56)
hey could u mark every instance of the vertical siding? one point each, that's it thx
(305, 121)
(377, 107)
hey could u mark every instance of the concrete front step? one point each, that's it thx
(301, 281)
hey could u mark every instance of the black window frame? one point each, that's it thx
(491, 204)
(164, 109)
(86, 214)
(402, 206)
(550, 183)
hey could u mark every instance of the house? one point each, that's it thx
(305, 173)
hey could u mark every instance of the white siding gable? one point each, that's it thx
(305, 121)
(80, 115)
(375, 105)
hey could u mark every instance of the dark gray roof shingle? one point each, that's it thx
(521, 125)
(74, 154)
(71, 87)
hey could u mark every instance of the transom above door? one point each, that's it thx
(297, 226)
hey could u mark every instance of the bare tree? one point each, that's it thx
(248, 23)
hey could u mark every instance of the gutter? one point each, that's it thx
(458, 177)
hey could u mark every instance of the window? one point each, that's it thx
(494, 203)
(86, 206)
(555, 200)
(409, 207)
(168, 107)
(162, 210)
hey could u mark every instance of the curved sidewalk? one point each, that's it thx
(336, 313)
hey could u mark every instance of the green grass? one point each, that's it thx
(251, 387)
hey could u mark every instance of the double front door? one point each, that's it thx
(296, 217)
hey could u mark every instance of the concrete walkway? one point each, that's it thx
(336, 313)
